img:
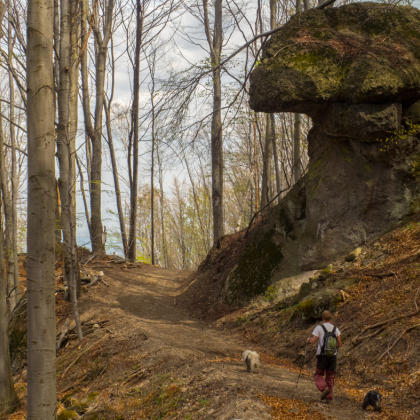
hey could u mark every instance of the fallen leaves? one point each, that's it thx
(291, 409)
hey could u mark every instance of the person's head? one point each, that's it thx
(326, 316)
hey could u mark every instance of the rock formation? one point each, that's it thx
(355, 70)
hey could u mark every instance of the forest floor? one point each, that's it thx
(147, 358)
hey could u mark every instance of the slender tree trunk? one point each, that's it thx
(268, 157)
(266, 188)
(297, 166)
(98, 247)
(216, 44)
(82, 189)
(14, 178)
(256, 163)
(116, 181)
(276, 159)
(297, 170)
(95, 132)
(66, 144)
(42, 393)
(162, 219)
(217, 159)
(58, 227)
(63, 134)
(152, 193)
(134, 135)
(7, 205)
(8, 397)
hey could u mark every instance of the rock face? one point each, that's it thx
(355, 70)
(359, 53)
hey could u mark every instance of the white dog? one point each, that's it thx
(252, 361)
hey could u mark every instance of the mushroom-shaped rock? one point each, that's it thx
(358, 53)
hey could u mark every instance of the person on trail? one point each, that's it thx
(328, 338)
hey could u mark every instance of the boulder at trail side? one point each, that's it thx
(355, 70)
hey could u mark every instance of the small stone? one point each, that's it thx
(211, 411)
(353, 255)
(95, 326)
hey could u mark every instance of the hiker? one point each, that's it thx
(328, 338)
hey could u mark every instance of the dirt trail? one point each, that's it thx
(153, 336)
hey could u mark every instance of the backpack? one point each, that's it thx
(329, 347)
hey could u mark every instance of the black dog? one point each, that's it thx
(372, 398)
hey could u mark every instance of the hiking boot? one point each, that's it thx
(324, 394)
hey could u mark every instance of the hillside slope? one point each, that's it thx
(376, 306)
(146, 358)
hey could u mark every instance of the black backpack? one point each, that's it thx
(329, 347)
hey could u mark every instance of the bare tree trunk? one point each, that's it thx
(42, 393)
(152, 191)
(296, 149)
(82, 189)
(7, 205)
(256, 163)
(266, 188)
(14, 178)
(134, 138)
(162, 219)
(66, 144)
(276, 159)
(215, 45)
(8, 397)
(58, 227)
(116, 177)
(95, 133)
(297, 166)
(268, 157)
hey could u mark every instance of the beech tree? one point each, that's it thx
(8, 397)
(41, 379)
(102, 36)
(215, 42)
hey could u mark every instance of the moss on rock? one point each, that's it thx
(357, 53)
(252, 275)
(312, 308)
(67, 415)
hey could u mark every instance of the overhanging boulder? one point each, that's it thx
(358, 53)
(356, 71)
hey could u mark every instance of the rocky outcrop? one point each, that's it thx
(355, 70)
(359, 53)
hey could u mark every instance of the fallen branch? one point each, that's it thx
(398, 339)
(16, 309)
(89, 259)
(81, 354)
(104, 282)
(381, 275)
(94, 281)
(64, 332)
(133, 375)
(77, 382)
(357, 340)
(344, 295)
(379, 324)
(415, 299)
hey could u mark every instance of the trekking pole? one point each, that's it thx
(304, 358)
